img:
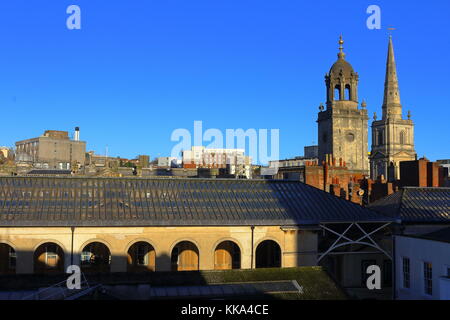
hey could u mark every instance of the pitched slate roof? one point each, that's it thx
(74, 201)
(442, 235)
(413, 204)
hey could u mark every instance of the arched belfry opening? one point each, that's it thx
(348, 92)
(342, 80)
(337, 93)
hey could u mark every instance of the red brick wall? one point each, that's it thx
(432, 174)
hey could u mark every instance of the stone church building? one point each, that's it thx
(392, 136)
(343, 124)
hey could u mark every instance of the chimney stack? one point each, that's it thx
(76, 137)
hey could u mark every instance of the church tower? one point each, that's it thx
(343, 131)
(392, 136)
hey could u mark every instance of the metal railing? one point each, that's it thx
(59, 291)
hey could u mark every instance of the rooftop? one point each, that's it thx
(76, 201)
(442, 235)
(416, 204)
(313, 283)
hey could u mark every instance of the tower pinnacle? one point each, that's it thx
(341, 54)
(391, 103)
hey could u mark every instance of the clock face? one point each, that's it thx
(350, 137)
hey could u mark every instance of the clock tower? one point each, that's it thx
(342, 124)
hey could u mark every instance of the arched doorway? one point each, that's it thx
(95, 257)
(49, 258)
(268, 255)
(227, 256)
(7, 259)
(185, 257)
(141, 257)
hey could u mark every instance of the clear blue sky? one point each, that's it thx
(139, 69)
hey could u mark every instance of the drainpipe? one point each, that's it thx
(253, 237)
(394, 267)
(71, 249)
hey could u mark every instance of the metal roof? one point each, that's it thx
(75, 201)
(227, 289)
(414, 204)
(49, 172)
(441, 235)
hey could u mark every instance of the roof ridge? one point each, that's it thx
(427, 188)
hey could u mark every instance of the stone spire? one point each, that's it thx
(391, 105)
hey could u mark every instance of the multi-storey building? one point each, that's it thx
(53, 150)
(234, 160)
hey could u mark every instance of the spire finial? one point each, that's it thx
(341, 54)
(364, 104)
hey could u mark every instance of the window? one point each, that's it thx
(402, 137)
(86, 257)
(347, 92)
(406, 273)
(337, 93)
(428, 278)
(380, 137)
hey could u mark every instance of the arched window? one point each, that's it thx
(337, 92)
(268, 255)
(141, 257)
(95, 257)
(402, 137)
(185, 257)
(380, 137)
(348, 92)
(49, 258)
(7, 259)
(227, 256)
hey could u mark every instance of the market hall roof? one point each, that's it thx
(76, 201)
(416, 205)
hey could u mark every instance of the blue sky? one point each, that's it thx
(137, 70)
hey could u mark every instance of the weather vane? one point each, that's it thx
(390, 29)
